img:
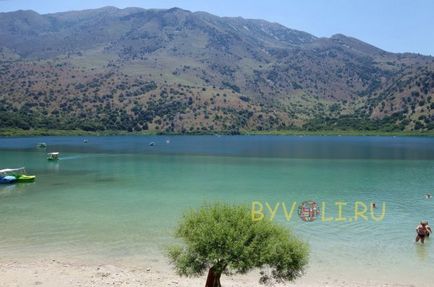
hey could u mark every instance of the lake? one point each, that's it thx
(118, 198)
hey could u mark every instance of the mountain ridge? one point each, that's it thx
(120, 68)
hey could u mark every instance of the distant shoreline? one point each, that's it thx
(43, 132)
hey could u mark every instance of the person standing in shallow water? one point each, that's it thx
(423, 230)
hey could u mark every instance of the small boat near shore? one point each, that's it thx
(53, 156)
(12, 175)
(41, 145)
(7, 179)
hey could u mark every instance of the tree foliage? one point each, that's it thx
(223, 239)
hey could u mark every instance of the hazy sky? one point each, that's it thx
(393, 25)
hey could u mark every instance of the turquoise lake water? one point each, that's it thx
(118, 198)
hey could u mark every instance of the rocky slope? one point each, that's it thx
(177, 71)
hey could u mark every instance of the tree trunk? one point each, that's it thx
(213, 279)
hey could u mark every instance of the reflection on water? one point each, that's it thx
(7, 188)
(53, 166)
(17, 188)
(422, 251)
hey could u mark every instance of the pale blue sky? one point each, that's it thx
(393, 25)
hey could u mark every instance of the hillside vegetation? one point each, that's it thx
(174, 71)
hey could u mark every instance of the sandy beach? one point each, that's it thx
(55, 273)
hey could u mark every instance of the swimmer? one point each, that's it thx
(423, 230)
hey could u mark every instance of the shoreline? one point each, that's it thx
(42, 132)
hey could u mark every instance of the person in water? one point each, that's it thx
(428, 196)
(423, 230)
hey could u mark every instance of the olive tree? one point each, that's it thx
(223, 239)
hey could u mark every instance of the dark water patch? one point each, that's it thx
(307, 147)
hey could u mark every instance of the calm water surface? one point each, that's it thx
(119, 198)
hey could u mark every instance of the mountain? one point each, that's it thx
(178, 71)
